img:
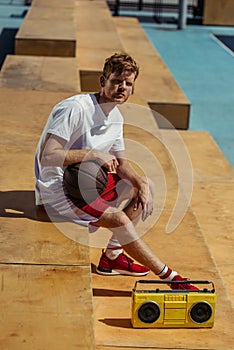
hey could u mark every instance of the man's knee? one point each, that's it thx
(120, 219)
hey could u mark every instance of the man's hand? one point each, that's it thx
(107, 160)
(145, 198)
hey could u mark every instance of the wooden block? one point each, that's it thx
(40, 73)
(155, 82)
(25, 123)
(48, 12)
(171, 115)
(54, 3)
(41, 37)
(97, 39)
(130, 30)
(91, 61)
(46, 307)
(25, 237)
(136, 112)
(212, 204)
(46, 297)
(112, 305)
(218, 12)
(208, 161)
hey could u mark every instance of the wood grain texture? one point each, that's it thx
(45, 307)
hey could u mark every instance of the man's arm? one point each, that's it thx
(54, 154)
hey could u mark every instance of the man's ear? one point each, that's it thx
(102, 80)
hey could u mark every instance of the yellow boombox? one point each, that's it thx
(155, 308)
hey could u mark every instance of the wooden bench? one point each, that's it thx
(205, 232)
(48, 30)
(218, 13)
(40, 73)
(54, 4)
(155, 83)
(96, 39)
(46, 293)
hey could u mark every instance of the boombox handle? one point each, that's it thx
(174, 282)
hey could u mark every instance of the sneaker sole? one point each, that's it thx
(121, 272)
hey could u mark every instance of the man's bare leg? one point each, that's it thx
(124, 230)
(120, 224)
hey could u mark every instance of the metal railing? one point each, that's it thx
(159, 8)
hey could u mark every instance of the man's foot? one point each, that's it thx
(122, 265)
(182, 286)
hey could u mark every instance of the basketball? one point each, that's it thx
(85, 181)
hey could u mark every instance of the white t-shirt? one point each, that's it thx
(80, 121)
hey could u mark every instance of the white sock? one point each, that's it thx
(114, 249)
(167, 273)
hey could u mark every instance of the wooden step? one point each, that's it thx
(46, 307)
(55, 4)
(199, 247)
(97, 39)
(40, 73)
(218, 13)
(21, 227)
(48, 31)
(48, 11)
(155, 83)
(46, 295)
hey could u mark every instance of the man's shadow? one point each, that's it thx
(20, 204)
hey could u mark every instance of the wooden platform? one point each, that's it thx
(197, 247)
(97, 39)
(48, 30)
(47, 267)
(54, 4)
(40, 73)
(46, 296)
(38, 310)
(218, 12)
(155, 83)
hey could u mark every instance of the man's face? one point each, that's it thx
(118, 87)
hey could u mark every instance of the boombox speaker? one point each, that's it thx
(164, 308)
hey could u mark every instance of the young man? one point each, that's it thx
(90, 127)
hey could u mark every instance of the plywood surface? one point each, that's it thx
(24, 238)
(199, 247)
(95, 26)
(40, 73)
(26, 116)
(45, 307)
(212, 204)
(185, 250)
(46, 38)
(209, 163)
(97, 39)
(46, 297)
(48, 12)
(155, 81)
(47, 30)
(218, 12)
(54, 3)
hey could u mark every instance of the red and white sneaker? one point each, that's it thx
(122, 265)
(182, 286)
